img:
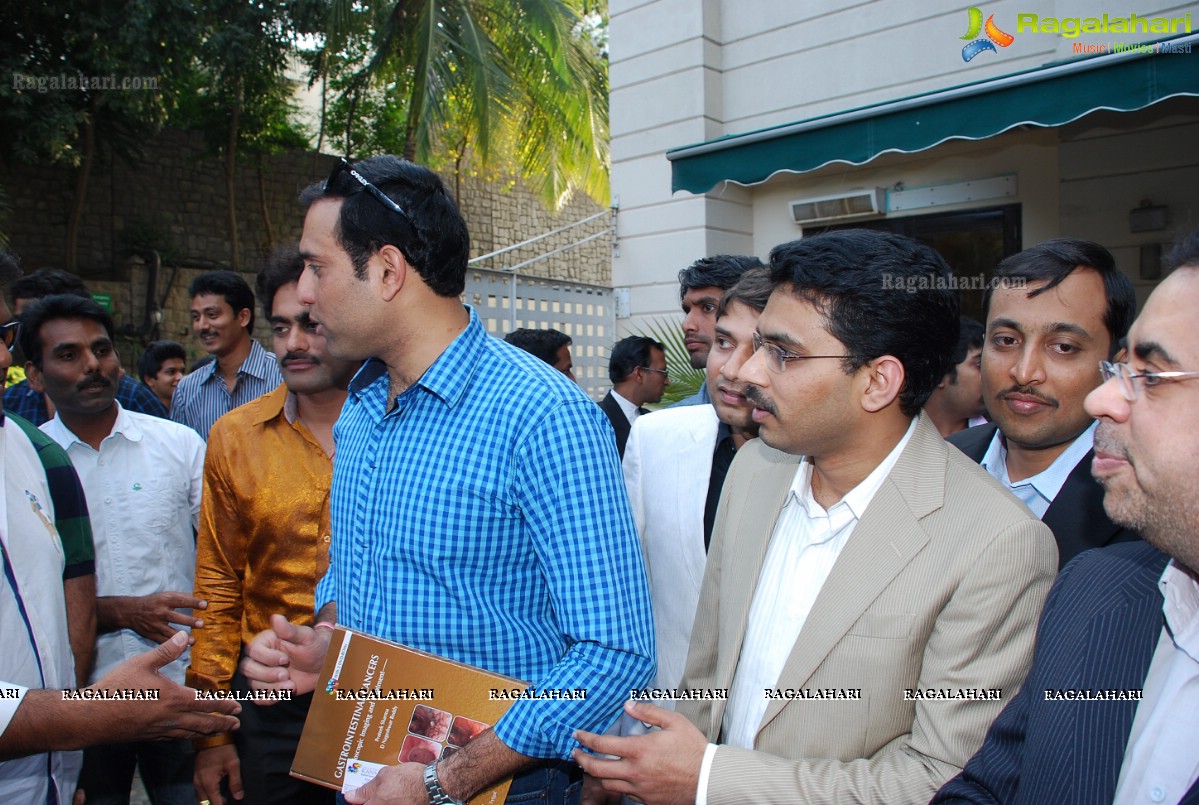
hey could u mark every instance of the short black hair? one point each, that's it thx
(1184, 252)
(230, 285)
(628, 354)
(52, 308)
(431, 233)
(880, 294)
(1054, 260)
(753, 289)
(721, 271)
(10, 269)
(49, 282)
(542, 343)
(282, 267)
(157, 352)
(971, 335)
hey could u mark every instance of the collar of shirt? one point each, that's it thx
(124, 427)
(1181, 607)
(447, 378)
(723, 431)
(1046, 483)
(630, 411)
(854, 504)
(257, 364)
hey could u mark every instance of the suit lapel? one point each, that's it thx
(883, 542)
(693, 471)
(1076, 515)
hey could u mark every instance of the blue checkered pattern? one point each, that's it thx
(21, 399)
(485, 519)
(201, 398)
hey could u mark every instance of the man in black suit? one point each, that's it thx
(638, 373)
(1107, 711)
(1053, 312)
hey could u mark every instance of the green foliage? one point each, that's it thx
(684, 380)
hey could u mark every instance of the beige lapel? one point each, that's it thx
(884, 541)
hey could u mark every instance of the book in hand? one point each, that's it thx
(378, 703)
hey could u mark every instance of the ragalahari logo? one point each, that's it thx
(994, 35)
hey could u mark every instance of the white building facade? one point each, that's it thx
(740, 124)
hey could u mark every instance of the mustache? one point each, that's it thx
(1105, 442)
(93, 380)
(755, 396)
(1027, 391)
(300, 356)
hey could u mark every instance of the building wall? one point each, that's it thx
(689, 71)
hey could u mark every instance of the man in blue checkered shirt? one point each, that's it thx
(478, 508)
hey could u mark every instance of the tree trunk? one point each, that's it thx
(266, 213)
(230, 164)
(79, 202)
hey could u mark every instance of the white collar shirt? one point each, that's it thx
(1038, 491)
(631, 410)
(143, 495)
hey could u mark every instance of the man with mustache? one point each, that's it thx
(142, 479)
(664, 466)
(222, 311)
(1107, 713)
(871, 594)
(1053, 312)
(701, 285)
(264, 541)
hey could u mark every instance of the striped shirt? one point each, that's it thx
(201, 398)
(484, 518)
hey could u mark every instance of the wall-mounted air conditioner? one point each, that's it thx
(831, 208)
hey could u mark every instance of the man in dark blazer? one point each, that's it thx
(1107, 713)
(637, 369)
(1054, 312)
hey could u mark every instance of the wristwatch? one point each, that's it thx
(437, 794)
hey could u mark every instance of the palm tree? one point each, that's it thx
(526, 74)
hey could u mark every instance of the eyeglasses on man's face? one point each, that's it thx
(777, 358)
(1130, 383)
(664, 372)
(9, 333)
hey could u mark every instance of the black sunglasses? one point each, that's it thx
(343, 165)
(9, 333)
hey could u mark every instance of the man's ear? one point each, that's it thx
(884, 380)
(34, 376)
(395, 270)
(243, 317)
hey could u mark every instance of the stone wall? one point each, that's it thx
(172, 198)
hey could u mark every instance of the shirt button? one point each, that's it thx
(326, 538)
(1157, 794)
(108, 500)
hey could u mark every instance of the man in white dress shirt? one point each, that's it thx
(142, 477)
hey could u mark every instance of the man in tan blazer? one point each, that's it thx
(871, 596)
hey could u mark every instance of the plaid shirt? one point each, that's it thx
(485, 519)
(25, 402)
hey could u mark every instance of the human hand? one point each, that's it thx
(287, 656)
(214, 764)
(149, 615)
(400, 784)
(659, 768)
(176, 713)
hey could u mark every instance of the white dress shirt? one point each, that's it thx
(1160, 763)
(1038, 491)
(631, 411)
(806, 543)
(143, 494)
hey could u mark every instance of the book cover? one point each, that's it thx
(378, 703)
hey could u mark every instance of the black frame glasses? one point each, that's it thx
(777, 357)
(9, 333)
(343, 165)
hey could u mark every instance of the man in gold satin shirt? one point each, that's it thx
(264, 541)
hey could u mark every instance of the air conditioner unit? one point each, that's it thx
(831, 208)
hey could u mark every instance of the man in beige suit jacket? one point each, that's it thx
(871, 595)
